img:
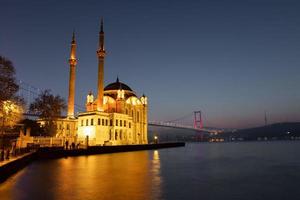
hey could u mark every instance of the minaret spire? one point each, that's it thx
(101, 36)
(101, 27)
(101, 55)
(73, 48)
(73, 63)
(73, 37)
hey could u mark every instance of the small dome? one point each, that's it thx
(117, 85)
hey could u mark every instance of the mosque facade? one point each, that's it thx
(115, 116)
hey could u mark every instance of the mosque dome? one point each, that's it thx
(113, 88)
(117, 85)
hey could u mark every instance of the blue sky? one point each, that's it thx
(231, 59)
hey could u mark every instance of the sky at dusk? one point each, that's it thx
(230, 59)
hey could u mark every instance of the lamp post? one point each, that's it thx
(155, 139)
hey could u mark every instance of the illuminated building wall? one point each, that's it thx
(123, 121)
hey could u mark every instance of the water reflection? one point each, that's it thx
(198, 171)
(156, 175)
(134, 175)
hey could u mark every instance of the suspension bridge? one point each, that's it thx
(192, 120)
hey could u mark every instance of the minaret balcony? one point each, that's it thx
(73, 61)
(101, 53)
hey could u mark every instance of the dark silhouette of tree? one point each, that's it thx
(11, 105)
(8, 83)
(48, 107)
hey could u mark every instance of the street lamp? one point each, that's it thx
(155, 139)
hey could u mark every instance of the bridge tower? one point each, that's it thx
(198, 124)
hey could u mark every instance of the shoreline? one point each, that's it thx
(60, 152)
(13, 166)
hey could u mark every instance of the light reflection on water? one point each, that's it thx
(248, 170)
(111, 176)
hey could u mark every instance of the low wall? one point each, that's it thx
(45, 153)
(8, 169)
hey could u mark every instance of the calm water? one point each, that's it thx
(249, 170)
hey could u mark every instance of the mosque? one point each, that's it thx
(116, 116)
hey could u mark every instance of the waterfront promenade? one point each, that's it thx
(59, 152)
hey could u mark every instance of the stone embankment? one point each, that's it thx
(11, 166)
(45, 153)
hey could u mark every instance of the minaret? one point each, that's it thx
(101, 55)
(72, 62)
